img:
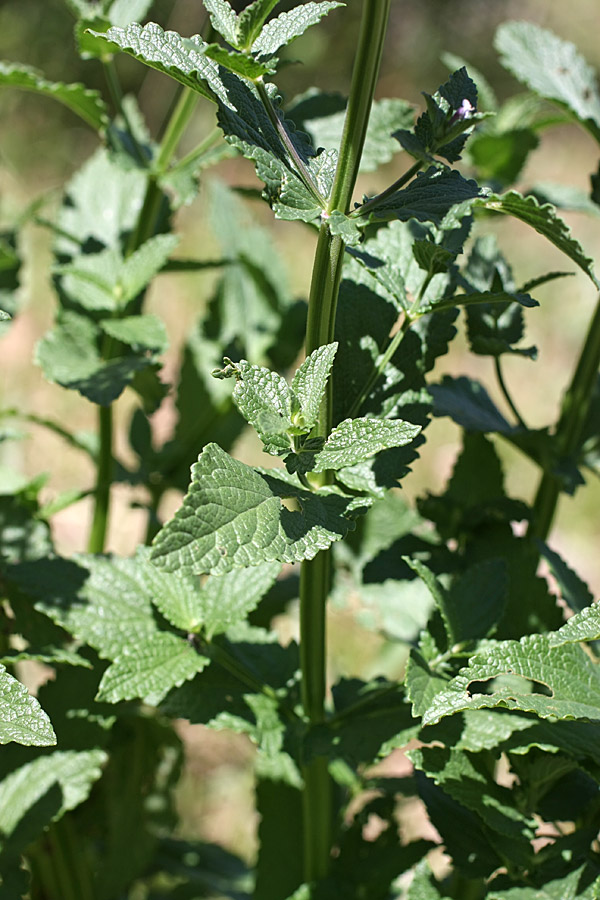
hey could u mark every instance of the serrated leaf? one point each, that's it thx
(266, 402)
(583, 626)
(551, 67)
(70, 357)
(310, 381)
(238, 63)
(140, 267)
(570, 677)
(429, 197)
(344, 227)
(169, 52)
(354, 440)
(141, 333)
(468, 404)
(573, 589)
(463, 777)
(479, 299)
(102, 203)
(227, 599)
(251, 20)
(108, 603)
(50, 786)
(544, 220)
(22, 719)
(322, 116)
(149, 670)
(288, 26)
(432, 258)
(223, 19)
(84, 102)
(233, 517)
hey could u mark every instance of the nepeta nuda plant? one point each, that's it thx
(499, 697)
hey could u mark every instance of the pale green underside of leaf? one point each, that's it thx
(227, 599)
(233, 517)
(566, 671)
(310, 381)
(149, 670)
(70, 774)
(223, 19)
(169, 52)
(545, 221)
(289, 25)
(264, 399)
(85, 103)
(551, 67)
(354, 440)
(584, 626)
(387, 115)
(108, 602)
(144, 332)
(251, 20)
(22, 719)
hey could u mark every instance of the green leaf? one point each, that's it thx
(570, 679)
(251, 21)
(108, 603)
(465, 778)
(10, 266)
(227, 599)
(140, 267)
(21, 717)
(579, 884)
(354, 440)
(469, 405)
(70, 357)
(123, 12)
(544, 220)
(238, 63)
(479, 299)
(583, 626)
(85, 103)
(322, 116)
(181, 58)
(223, 19)
(345, 227)
(310, 382)
(266, 402)
(233, 516)
(101, 205)
(573, 589)
(500, 157)
(149, 670)
(43, 790)
(551, 67)
(141, 333)
(290, 25)
(429, 197)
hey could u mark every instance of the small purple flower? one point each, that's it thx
(464, 111)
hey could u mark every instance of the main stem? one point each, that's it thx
(104, 473)
(569, 431)
(315, 574)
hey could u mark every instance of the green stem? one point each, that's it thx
(373, 27)
(60, 869)
(569, 430)
(103, 481)
(505, 391)
(176, 125)
(315, 574)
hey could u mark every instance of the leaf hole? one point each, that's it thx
(518, 685)
(292, 504)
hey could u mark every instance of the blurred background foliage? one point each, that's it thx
(42, 144)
